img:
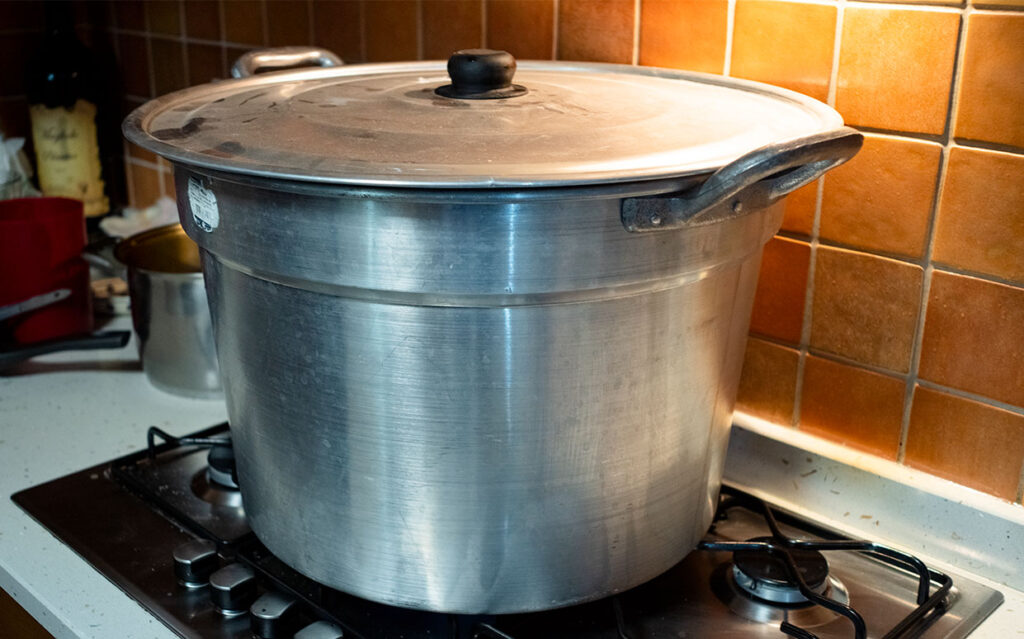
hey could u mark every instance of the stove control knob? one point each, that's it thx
(194, 561)
(320, 630)
(233, 589)
(273, 616)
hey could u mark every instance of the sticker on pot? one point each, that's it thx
(204, 205)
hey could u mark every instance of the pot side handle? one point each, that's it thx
(754, 181)
(282, 58)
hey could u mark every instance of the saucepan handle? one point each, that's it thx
(281, 58)
(754, 181)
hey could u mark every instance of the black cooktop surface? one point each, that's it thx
(128, 517)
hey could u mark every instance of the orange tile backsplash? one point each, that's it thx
(865, 308)
(684, 34)
(992, 89)
(973, 334)
(524, 28)
(899, 277)
(881, 200)
(779, 300)
(450, 25)
(980, 225)
(896, 67)
(596, 30)
(784, 43)
(966, 441)
(768, 384)
(852, 406)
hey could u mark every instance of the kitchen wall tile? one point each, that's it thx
(205, 63)
(202, 19)
(973, 337)
(243, 22)
(167, 180)
(798, 209)
(781, 290)
(991, 105)
(865, 307)
(450, 25)
(980, 224)
(163, 16)
(168, 66)
(140, 153)
(287, 23)
(684, 34)
(859, 408)
(881, 200)
(768, 384)
(524, 28)
(134, 59)
(896, 67)
(998, 4)
(391, 32)
(968, 442)
(784, 43)
(337, 26)
(130, 15)
(145, 185)
(596, 30)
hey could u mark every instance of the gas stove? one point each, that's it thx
(168, 526)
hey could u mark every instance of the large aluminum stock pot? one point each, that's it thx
(480, 340)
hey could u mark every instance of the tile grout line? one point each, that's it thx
(730, 24)
(819, 196)
(362, 31)
(1020, 485)
(554, 30)
(635, 58)
(974, 397)
(917, 346)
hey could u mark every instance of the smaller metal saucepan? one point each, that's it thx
(170, 312)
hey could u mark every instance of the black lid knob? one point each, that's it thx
(194, 561)
(481, 74)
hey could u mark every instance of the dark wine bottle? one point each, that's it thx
(72, 106)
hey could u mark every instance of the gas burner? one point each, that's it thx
(757, 585)
(221, 465)
(204, 573)
(765, 577)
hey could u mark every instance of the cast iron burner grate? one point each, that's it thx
(792, 555)
(159, 495)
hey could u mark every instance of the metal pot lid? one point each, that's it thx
(408, 125)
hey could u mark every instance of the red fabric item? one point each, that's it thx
(41, 242)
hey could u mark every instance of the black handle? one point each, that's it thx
(108, 339)
(754, 181)
(481, 74)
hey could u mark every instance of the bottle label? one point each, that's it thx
(204, 205)
(68, 154)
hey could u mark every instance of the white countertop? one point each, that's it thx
(64, 412)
